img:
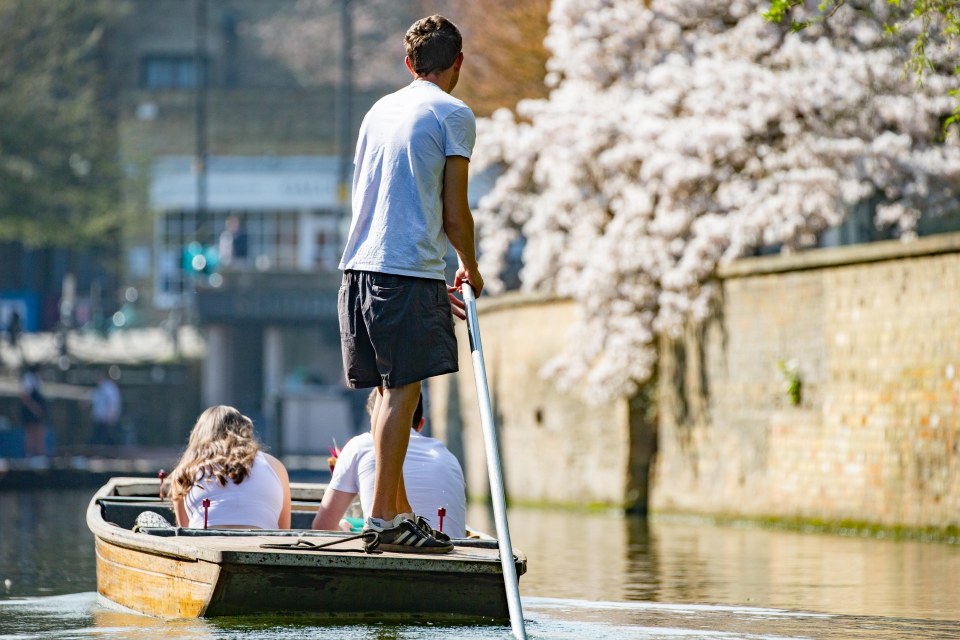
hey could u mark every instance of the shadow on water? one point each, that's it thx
(641, 561)
(81, 616)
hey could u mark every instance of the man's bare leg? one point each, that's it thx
(391, 434)
(403, 505)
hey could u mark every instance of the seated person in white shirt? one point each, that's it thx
(247, 488)
(432, 476)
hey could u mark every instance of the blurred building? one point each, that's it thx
(32, 282)
(234, 165)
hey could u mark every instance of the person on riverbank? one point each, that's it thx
(232, 243)
(395, 310)
(33, 412)
(432, 476)
(14, 329)
(106, 404)
(223, 462)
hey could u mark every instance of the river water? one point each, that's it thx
(590, 575)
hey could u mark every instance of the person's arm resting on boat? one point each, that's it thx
(332, 507)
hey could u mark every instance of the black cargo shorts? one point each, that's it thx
(394, 330)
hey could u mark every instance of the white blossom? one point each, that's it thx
(682, 134)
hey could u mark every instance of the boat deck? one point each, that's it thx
(247, 547)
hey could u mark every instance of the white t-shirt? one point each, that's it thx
(402, 150)
(105, 402)
(256, 502)
(431, 474)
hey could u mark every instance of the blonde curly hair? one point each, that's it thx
(221, 446)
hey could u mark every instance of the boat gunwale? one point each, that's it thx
(201, 548)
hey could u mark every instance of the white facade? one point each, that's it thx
(289, 210)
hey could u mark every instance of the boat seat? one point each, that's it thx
(302, 519)
(123, 512)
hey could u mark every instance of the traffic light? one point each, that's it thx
(197, 259)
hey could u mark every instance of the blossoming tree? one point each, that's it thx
(681, 134)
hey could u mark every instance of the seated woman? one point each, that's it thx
(247, 488)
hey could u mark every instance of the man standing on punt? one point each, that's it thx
(396, 312)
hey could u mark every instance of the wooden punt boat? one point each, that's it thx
(178, 573)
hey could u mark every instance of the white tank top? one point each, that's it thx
(256, 502)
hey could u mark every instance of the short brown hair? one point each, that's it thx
(432, 44)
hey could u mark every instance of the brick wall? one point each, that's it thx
(875, 333)
(554, 448)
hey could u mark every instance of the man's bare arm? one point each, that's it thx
(458, 222)
(332, 507)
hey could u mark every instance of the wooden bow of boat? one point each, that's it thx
(189, 573)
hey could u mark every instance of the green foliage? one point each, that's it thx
(59, 175)
(844, 527)
(780, 9)
(793, 385)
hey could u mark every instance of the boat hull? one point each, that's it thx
(181, 573)
(154, 584)
(354, 593)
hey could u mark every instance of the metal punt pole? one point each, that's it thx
(493, 466)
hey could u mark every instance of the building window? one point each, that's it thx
(325, 249)
(271, 238)
(170, 72)
(269, 241)
(174, 229)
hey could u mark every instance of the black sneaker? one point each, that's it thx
(439, 535)
(405, 536)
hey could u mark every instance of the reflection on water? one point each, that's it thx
(842, 574)
(45, 546)
(607, 556)
(596, 575)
